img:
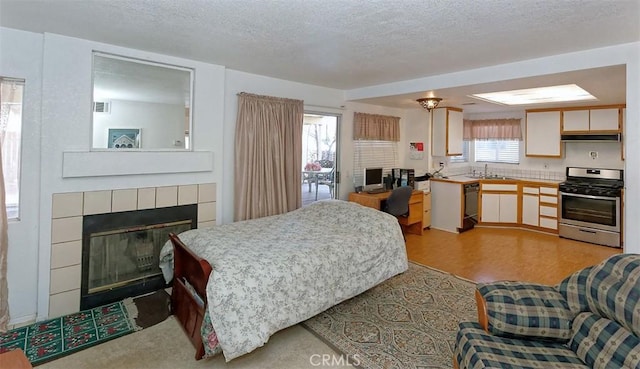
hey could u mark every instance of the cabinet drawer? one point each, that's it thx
(499, 187)
(549, 211)
(549, 199)
(531, 190)
(549, 191)
(548, 223)
(427, 201)
(426, 219)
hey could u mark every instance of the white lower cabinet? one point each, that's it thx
(490, 208)
(499, 208)
(508, 208)
(530, 210)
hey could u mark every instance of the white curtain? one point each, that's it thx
(4, 240)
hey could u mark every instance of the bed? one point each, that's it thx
(247, 280)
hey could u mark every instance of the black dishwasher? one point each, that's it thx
(470, 217)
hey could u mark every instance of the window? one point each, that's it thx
(11, 91)
(373, 154)
(497, 151)
(465, 154)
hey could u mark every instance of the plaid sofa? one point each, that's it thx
(590, 320)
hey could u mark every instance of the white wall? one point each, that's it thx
(21, 57)
(575, 154)
(417, 129)
(66, 108)
(160, 124)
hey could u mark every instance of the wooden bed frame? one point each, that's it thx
(188, 309)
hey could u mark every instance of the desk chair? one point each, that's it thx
(398, 202)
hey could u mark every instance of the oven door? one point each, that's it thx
(599, 212)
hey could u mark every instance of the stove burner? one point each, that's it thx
(612, 189)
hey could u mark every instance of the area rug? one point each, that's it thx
(61, 336)
(409, 321)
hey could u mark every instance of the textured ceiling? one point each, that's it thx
(343, 44)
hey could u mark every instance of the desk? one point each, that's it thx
(315, 175)
(410, 224)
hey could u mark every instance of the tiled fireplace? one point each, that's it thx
(68, 210)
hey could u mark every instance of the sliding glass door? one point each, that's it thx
(320, 171)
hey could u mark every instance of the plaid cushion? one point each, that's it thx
(573, 289)
(603, 344)
(476, 348)
(519, 309)
(613, 290)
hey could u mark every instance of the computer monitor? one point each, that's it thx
(373, 179)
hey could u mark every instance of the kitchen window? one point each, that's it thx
(11, 92)
(373, 154)
(497, 151)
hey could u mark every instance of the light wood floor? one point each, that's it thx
(490, 254)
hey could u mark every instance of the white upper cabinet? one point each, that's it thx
(575, 120)
(591, 120)
(604, 120)
(542, 134)
(446, 138)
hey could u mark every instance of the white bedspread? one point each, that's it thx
(274, 272)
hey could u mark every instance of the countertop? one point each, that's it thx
(462, 179)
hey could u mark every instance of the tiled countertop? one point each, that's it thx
(466, 180)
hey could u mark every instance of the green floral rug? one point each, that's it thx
(61, 336)
(407, 322)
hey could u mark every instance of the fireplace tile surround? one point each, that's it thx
(66, 229)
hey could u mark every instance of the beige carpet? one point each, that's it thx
(166, 346)
(406, 322)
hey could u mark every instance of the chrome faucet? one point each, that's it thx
(485, 170)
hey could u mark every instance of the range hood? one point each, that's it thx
(612, 137)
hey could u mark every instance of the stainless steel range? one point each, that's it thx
(590, 205)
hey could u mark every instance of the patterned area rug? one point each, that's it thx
(409, 321)
(61, 336)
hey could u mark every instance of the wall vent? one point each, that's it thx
(101, 107)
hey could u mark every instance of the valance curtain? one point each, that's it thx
(4, 239)
(376, 127)
(268, 157)
(492, 129)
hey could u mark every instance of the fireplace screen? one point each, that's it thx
(120, 251)
(119, 257)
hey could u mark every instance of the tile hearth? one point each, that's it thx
(68, 210)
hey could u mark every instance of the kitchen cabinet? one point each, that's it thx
(426, 205)
(575, 120)
(592, 120)
(447, 205)
(604, 120)
(549, 207)
(446, 133)
(540, 206)
(499, 203)
(542, 134)
(530, 206)
(624, 121)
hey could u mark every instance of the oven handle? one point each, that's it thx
(589, 196)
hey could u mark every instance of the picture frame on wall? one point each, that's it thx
(124, 138)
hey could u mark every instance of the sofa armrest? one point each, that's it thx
(517, 309)
(481, 304)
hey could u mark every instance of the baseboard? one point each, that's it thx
(22, 321)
